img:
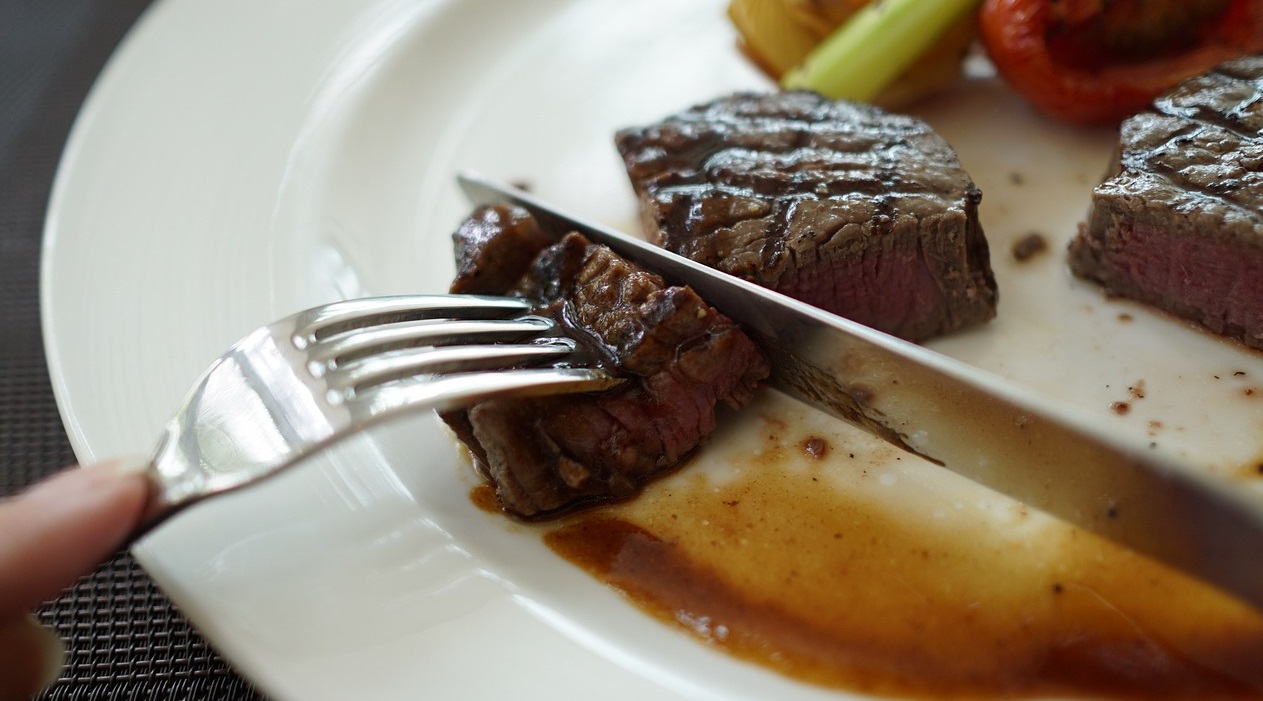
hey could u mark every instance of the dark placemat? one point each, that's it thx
(124, 639)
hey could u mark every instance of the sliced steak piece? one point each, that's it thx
(1178, 224)
(681, 357)
(861, 212)
(494, 248)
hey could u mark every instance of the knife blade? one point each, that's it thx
(991, 431)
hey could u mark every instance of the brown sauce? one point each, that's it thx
(816, 566)
(483, 496)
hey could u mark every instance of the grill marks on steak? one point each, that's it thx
(1178, 224)
(842, 205)
(682, 358)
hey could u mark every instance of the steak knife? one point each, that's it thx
(965, 419)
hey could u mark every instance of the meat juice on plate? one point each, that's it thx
(837, 559)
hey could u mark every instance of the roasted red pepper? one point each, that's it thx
(1097, 61)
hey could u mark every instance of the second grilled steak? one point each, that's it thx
(1179, 223)
(845, 206)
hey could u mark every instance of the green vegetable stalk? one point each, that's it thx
(875, 46)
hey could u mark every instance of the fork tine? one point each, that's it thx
(381, 338)
(446, 392)
(400, 364)
(342, 317)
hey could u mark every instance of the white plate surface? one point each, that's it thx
(242, 159)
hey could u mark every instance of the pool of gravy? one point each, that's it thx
(835, 559)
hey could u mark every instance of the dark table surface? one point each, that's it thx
(124, 638)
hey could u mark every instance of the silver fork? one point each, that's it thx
(298, 385)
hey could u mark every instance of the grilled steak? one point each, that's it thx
(681, 358)
(861, 212)
(1178, 224)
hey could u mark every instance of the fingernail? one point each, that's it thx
(124, 465)
(52, 652)
(33, 660)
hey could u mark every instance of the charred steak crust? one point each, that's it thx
(682, 358)
(842, 205)
(1178, 223)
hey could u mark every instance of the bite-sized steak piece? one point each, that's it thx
(680, 356)
(1178, 224)
(494, 247)
(850, 208)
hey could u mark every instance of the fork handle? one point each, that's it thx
(158, 506)
(155, 513)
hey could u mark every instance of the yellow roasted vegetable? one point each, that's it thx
(778, 34)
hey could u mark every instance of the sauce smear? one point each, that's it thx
(852, 566)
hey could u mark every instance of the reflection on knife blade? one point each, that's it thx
(967, 420)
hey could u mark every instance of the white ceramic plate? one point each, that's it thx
(243, 159)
